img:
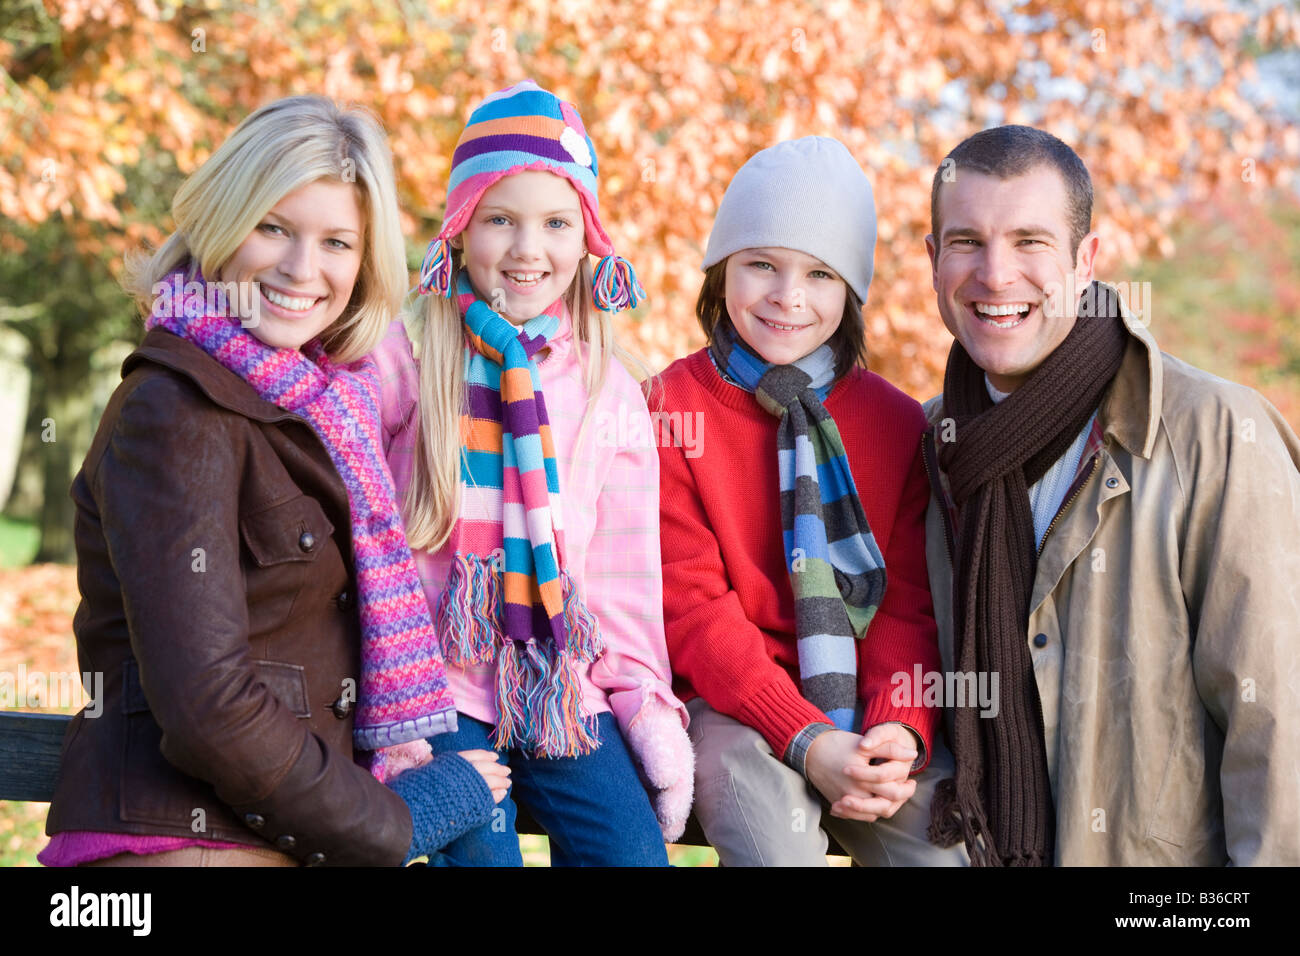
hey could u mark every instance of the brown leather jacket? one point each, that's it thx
(214, 559)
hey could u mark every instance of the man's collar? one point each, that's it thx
(1130, 411)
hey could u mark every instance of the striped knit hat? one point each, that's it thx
(514, 130)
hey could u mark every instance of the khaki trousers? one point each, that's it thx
(756, 811)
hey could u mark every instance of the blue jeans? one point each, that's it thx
(592, 807)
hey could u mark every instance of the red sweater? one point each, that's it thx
(728, 603)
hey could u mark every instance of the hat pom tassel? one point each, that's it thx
(435, 271)
(615, 286)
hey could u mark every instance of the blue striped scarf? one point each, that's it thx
(836, 568)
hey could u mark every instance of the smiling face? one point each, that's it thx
(1006, 280)
(523, 243)
(784, 304)
(304, 255)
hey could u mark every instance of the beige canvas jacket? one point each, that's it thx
(1168, 591)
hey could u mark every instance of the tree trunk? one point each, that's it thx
(63, 400)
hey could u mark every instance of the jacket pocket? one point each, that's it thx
(151, 790)
(294, 530)
(287, 683)
(154, 791)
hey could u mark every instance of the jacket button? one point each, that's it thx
(341, 707)
(1112, 482)
(1040, 640)
(344, 601)
(286, 842)
(254, 820)
(307, 541)
(314, 859)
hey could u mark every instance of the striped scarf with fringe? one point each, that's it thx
(508, 598)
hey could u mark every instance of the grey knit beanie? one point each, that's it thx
(805, 194)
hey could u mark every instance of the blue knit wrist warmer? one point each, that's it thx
(447, 798)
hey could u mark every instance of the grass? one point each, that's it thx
(18, 542)
(22, 832)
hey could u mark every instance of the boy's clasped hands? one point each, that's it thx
(840, 765)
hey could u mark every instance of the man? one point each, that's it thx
(1125, 534)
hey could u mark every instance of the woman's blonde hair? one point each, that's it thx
(278, 149)
(432, 501)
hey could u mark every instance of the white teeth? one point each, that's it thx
(1018, 312)
(984, 308)
(783, 328)
(291, 303)
(525, 278)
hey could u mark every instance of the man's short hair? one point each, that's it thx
(1009, 151)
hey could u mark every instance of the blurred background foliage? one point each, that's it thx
(1185, 112)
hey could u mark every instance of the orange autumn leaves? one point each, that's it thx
(677, 96)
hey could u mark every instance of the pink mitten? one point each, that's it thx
(391, 761)
(663, 750)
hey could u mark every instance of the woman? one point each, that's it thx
(241, 561)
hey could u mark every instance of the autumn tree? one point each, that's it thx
(107, 105)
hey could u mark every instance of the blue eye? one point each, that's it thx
(760, 264)
(558, 223)
(270, 228)
(338, 244)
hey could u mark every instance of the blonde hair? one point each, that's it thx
(431, 504)
(278, 149)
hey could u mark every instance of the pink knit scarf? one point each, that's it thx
(403, 695)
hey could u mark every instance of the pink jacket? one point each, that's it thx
(610, 500)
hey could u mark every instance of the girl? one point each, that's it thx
(239, 546)
(793, 555)
(547, 591)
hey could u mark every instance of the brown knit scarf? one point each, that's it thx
(1000, 801)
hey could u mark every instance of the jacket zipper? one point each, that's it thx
(1078, 490)
(927, 452)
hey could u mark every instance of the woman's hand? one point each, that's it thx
(494, 773)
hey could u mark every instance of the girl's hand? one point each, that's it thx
(495, 773)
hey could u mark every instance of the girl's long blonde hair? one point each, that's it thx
(279, 148)
(432, 501)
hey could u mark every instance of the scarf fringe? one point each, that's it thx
(512, 729)
(539, 704)
(949, 823)
(584, 643)
(538, 691)
(467, 616)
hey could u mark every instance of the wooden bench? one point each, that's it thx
(29, 755)
(29, 765)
